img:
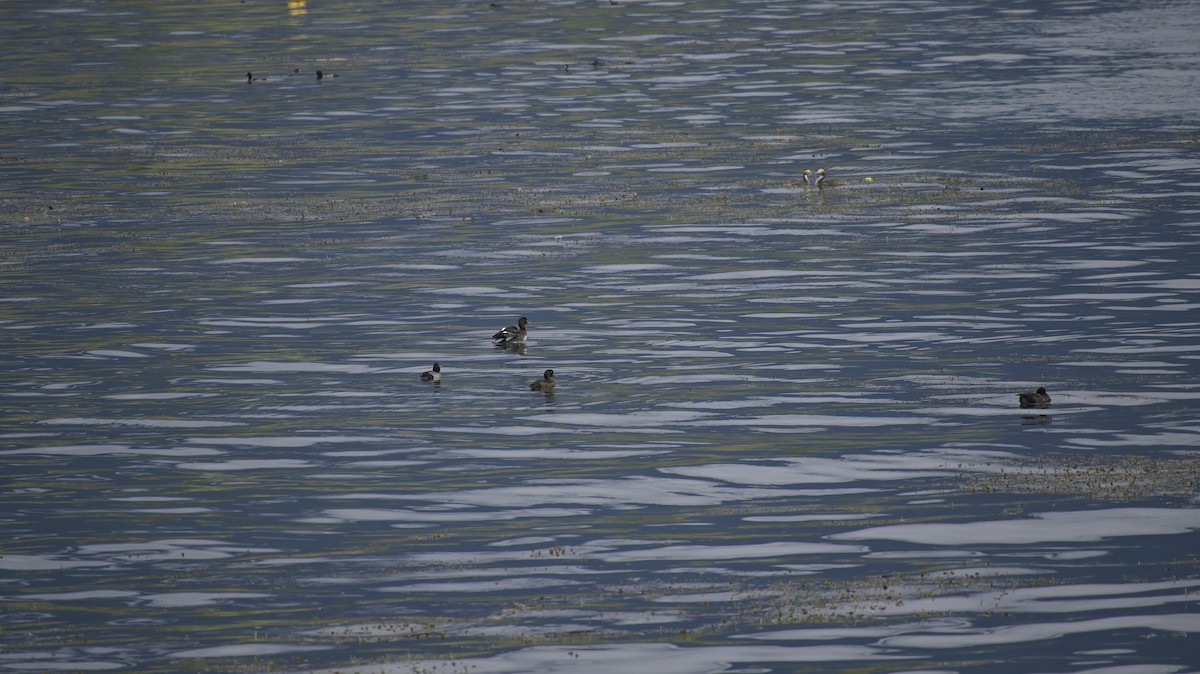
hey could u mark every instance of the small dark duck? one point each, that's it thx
(434, 375)
(513, 334)
(546, 384)
(1038, 398)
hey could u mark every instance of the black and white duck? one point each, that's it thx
(434, 375)
(513, 334)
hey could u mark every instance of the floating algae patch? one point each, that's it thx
(978, 593)
(1105, 478)
(860, 600)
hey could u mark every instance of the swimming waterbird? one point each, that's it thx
(546, 384)
(1038, 398)
(513, 334)
(434, 375)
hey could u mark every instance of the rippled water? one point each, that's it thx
(786, 434)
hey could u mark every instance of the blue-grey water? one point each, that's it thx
(785, 436)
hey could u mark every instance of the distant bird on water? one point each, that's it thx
(434, 375)
(546, 384)
(808, 179)
(320, 75)
(1038, 398)
(823, 182)
(513, 334)
(249, 78)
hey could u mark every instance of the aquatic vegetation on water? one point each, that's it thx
(1104, 478)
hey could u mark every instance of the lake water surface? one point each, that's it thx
(785, 436)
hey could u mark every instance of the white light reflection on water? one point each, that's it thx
(638, 657)
(1054, 527)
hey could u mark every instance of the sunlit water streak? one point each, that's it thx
(785, 434)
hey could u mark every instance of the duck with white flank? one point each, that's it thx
(434, 375)
(512, 335)
(1038, 398)
(546, 384)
